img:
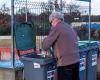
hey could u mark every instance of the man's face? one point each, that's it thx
(53, 22)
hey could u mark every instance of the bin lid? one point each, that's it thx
(82, 47)
(91, 44)
(24, 36)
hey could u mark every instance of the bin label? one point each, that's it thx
(82, 64)
(94, 59)
(51, 74)
(36, 65)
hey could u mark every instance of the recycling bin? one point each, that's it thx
(83, 57)
(24, 38)
(38, 68)
(91, 59)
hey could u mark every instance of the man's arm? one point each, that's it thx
(50, 39)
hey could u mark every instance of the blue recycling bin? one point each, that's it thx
(83, 58)
(91, 59)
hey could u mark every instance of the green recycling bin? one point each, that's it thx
(24, 36)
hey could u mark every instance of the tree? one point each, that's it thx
(5, 20)
(46, 7)
(72, 7)
(4, 9)
(72, 12)
(23, 10)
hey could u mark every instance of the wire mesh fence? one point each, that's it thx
(37, 13)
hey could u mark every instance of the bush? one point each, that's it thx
(5, 30)
(83, 33)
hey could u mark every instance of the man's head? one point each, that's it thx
(56, 17)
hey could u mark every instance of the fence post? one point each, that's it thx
(12, 33)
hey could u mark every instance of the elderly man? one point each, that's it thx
(63, 40)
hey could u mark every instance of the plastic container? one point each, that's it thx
(91, 67)
(38, 68)
(83, 57)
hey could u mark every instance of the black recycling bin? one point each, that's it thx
(38, 68)
(83, 57)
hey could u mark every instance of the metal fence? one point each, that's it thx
(37, 13)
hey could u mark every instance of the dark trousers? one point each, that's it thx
(70, 72)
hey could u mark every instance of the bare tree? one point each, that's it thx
(4, 9)
(72, 7)
(72, 12)
(22, 10)
(5, 20)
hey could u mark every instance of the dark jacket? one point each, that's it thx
(63, 39)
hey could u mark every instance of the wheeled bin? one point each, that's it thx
(36, 66)
(39, 68)
(91, 66)
(83, 57)
(92, 61)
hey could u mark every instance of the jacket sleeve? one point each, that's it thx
(50, 39)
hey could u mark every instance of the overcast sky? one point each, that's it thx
(95, 4)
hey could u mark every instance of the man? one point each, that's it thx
(63, 40)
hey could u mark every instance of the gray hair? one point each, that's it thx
(57, 15)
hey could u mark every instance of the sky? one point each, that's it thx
(95, 4)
